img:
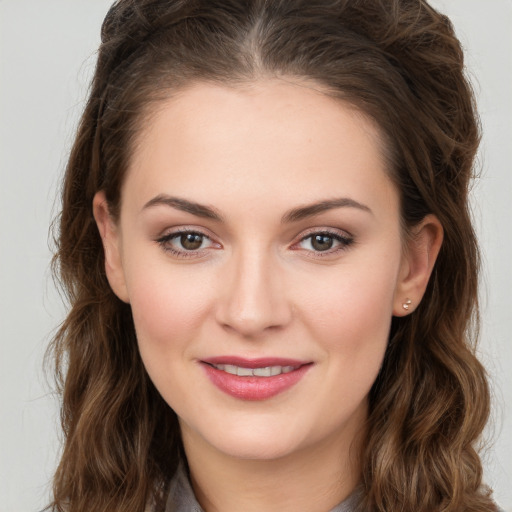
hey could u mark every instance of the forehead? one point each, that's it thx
(268, 139)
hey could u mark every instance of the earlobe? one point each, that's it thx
(110, 237)
(418, 262)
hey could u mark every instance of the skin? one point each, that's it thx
(258, 287)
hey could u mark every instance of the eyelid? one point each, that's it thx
(343, 233)
(171, 233)
(344, 238)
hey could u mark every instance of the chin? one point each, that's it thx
(254, 442)
(256, 448)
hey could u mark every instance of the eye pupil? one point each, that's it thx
(191, 241)
(322, 242)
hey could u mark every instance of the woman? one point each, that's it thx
(271, 267)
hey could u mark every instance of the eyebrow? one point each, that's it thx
(199, 210)
(313, 209)
(300, 213)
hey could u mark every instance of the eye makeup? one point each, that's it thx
(189, 243)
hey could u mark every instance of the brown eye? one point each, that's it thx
(322, 242)
(191, 241)
(187, 244)
(325, 243)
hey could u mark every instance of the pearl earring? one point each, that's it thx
(406, 304)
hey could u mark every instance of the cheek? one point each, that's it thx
(350, 314)
(168, 307)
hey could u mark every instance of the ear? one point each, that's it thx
(418, 260)
(109, 232)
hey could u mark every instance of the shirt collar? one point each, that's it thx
(182, 498)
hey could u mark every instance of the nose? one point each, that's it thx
(254, 299)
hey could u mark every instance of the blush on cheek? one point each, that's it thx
(354, 303)
(162, 313)
(352, 317)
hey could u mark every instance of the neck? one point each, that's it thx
(317, 477)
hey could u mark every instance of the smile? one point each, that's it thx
(258, 379)
(267, 371)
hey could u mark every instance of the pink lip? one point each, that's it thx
(254, 388)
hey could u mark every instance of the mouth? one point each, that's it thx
(266, 371)
(256, 379)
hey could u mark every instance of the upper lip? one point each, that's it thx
(260, 362)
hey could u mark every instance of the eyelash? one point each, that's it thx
(165, 240)
(344, 243)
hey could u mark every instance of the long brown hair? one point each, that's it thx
(400, 63)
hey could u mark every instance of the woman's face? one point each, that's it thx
(259, 246)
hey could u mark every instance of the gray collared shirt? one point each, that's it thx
(182, 499)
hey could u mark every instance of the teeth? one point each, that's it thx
(229, 368)
(267, 371)
(263, 372)
(244, 372)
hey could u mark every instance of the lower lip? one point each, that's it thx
(254, 388)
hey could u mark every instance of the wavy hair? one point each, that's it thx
(399, 62)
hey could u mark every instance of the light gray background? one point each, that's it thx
(46, 57)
